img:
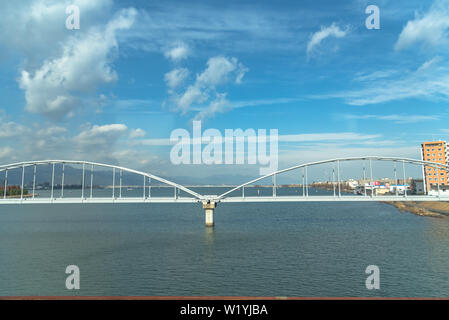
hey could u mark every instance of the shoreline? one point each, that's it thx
(432, 209)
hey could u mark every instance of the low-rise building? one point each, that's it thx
(417, 187)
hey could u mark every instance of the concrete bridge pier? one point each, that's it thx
(209, 208)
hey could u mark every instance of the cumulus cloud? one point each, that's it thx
(37, 140)
(100, 135)
(43, 140)
(220, 69)
(218, 105)
(178, 52)
(332, 31)
(10, 129)
(176, 77)
(193, 94)
(137, 133)
(34, 26)
(202, 95)
(85, 63)
(429, 29)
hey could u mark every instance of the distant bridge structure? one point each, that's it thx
(209, 202)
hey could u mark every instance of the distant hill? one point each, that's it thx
(73, 176)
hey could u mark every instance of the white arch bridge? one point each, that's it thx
(58, 192)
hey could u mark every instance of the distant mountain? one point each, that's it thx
(73, 176)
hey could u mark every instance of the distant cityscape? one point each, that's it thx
(435, 180)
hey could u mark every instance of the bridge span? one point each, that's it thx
(209, 202)
(251, 199)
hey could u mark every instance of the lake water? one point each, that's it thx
(258, 249)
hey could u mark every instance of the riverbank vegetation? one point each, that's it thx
(13, 191)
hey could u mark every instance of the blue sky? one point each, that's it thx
(115, 89)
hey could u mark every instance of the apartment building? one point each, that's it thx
(435, 151)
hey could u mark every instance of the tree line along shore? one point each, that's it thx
(13, 191)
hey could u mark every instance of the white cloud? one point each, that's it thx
(11, 129)
(98, 142)
(332, 31)
(430, 29)
(429, 81)
(430, 63)
(396, 118)
(376, 75)
(342, 136)
(220, 69)
(36, 140)
(137, 133)
(176, 77)
(348, 137)
(90, 142)
(34, 26)
(193, 94)
(178, 52)
(51, 131)
(85, 62)
(100, 134)
(219, 105)
(202, 95)
(230, 28)
(5, 152)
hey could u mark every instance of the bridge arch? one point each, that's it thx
(26, 164)
(337, 160)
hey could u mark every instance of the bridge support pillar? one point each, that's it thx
(209, 208)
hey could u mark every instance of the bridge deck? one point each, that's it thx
(345, 198)
(98, 200)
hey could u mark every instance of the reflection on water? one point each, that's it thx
(260, 249)
(209, 236)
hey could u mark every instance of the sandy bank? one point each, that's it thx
(429, 209)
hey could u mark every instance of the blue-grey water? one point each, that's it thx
(255, 249)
